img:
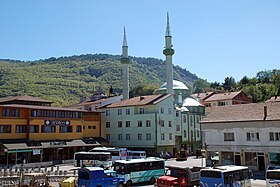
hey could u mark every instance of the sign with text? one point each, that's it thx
(57, 122)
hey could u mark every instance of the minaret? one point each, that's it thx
(125, 63)
(168, 52)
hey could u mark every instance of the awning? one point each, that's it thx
(16, 146)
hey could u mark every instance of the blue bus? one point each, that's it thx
(140, 170)
(225, 176)
(98, 177)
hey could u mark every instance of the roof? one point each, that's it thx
(177, 85)
(190, 102)
(140, 160)
(227, 168)
(223, 96)
(42, 107)
(202, 96)
(274, 99)
(93, 168)
(140, 101)
(243, 112)
(24, 98)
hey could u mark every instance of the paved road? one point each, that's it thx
(258, 180)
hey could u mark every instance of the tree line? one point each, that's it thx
(262, 87)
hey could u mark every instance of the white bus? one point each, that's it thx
(140, 170)
(98, 159)
(136, 154)
(225, 176)
(272, 177)
(117, 153)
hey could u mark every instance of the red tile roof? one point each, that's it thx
(23, 98)
(203, 95)
(140, 101)
(223, 96)
(243, 112)
(274, 99)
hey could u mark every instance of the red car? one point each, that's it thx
(169, 181)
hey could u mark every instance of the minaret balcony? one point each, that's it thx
(167, 52)
(125, 60)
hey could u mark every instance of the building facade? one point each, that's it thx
(243, 135)
(224, 99)
(31, 130)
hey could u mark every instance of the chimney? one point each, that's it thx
(264, 112)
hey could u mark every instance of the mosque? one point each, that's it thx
(168, 121)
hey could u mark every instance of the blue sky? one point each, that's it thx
(213, 39)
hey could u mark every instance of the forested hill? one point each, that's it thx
(64, 80)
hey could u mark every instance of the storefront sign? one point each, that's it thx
(57, 122)
(36, 151)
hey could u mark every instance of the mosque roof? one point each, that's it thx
(190, 102)
(177, 85)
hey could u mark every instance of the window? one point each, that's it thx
(207, 104)
(192, 136)
(47, 129)
(177, 113)
(177, 127)
(274, 136)
(127, 123)
(108, 125)
(184, 119)
(185, 133)
(89, 127)
(139, 136)
(127, 137)
(70, 114)
(65, 129)
(148, 136)
(197, 133)
(191, 120)
(21, 129)
(127, 111)
(251, 159)
(161, 110)
(148, 123)
(15, 112)
(142, 110)
(5, 112)
(229, 136)
(162, 136)
(169, 123)
(78, 128)
(119, 112)
(169, 111)
(120, 137)
(34, 129)
(161, 123)
(253, 136)
(139, 123)
(221, 103)
(170, 136)
(108, 137)
(5, 128)
(107, 112)
(119, 123)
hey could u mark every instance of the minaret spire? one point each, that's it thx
(168, 52)
(125, 63)
(168, 32)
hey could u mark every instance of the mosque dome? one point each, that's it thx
(177, 85)
(190, 102)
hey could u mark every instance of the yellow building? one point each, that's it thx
(31, 130)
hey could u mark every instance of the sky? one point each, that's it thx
(212, 39)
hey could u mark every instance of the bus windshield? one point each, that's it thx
(272, 174)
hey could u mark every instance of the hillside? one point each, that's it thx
(64, 80)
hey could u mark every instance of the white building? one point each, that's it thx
(247, 134)
(144, 122)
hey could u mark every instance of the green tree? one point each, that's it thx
(229, 84)
(264, 76)
(200, 85)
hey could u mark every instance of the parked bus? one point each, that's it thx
(117, 153)
(225, 176)
(140, 170)
(272, 177)
(136, 154)
(98, 159)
